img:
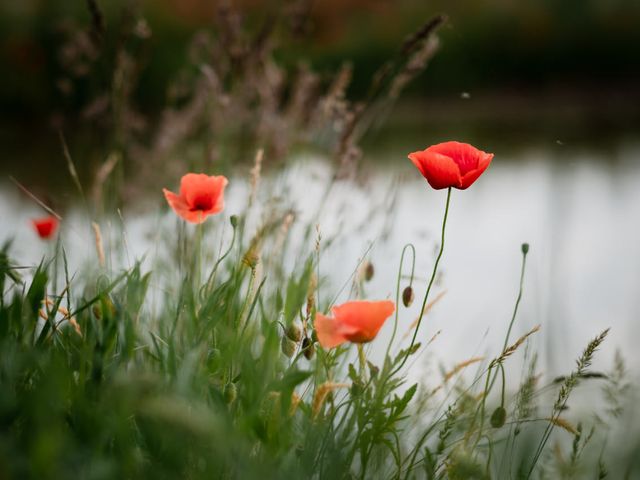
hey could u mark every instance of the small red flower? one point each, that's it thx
(357, 322)
(201, 195)
(46, 226)
(451, 164)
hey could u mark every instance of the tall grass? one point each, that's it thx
(205, 364)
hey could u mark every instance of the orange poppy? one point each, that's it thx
(451, 164)
(357, 322)
(46, 226)
(201, 195)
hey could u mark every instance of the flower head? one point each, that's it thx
(46, 226)
(357, 321)
(201, 195)
(451, 164)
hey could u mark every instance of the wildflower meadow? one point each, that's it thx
(226, 343)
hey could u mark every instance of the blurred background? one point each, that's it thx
(551, 87)
(532, 71)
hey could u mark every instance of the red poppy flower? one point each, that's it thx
(46, 226)
(358, 322)
(201, 195)
(451, 164)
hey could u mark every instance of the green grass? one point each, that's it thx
(202, 361)
(205, 366)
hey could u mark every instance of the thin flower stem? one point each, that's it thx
(413, 266)
(361, 359)
(515, 309)
(515, 313)
(431, 280)
(197, 257)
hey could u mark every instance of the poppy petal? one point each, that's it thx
(464, 155)
(220, 183)
(328, 331)
(473, 175)
(200, 191)
(362, 320)
(439, 170)
(178, 204)
(45, 227)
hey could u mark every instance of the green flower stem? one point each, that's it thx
(197, 257)
(413, 266)
(515, 310)
(431, 280)
(513, 317)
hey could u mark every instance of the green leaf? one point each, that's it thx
(36, 291)
(292, 379)
(400, 404)
(353, 375)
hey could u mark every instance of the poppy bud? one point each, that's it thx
(234, 221)
(407, 296)
(368, 271)
(293, 332)
(498, 417)
(525, 248)
(230, 393)
(307, 348)
(288, 346)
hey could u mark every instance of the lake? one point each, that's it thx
(578, 210)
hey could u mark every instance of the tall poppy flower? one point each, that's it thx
(451, 164)
(357, 322)
(200, 195)
(46, 226)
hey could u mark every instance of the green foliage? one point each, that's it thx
(100, 381)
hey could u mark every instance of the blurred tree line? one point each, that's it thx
(495, 44)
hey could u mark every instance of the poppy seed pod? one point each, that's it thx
(294, 332)
(407, 296)
(307, 348)
(234, 221)
(525, 248)
(288, 346)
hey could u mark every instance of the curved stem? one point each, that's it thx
(515, 309)
(515, 312)
(413, 266)
(431, 280)
(210, 280)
